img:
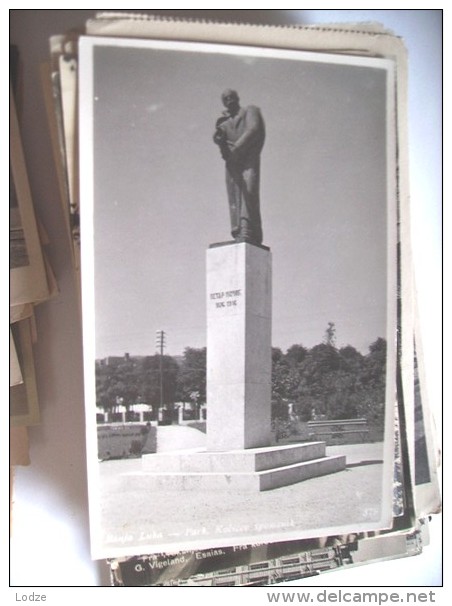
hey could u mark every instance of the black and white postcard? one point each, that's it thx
(155, 197)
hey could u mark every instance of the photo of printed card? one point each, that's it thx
(239, 278)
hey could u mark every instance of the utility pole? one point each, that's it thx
(160, 344)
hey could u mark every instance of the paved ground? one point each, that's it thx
(349, 498)
(175, 437)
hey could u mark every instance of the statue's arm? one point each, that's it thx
(254, 129)
(219, 138)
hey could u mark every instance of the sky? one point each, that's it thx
(159, 197)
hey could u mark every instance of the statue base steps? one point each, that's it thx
(254, 470)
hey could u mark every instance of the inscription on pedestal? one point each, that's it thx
(228, 298)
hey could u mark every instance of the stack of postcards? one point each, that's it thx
(32, 281)
(237, 199)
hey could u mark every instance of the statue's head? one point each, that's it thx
(230, 99)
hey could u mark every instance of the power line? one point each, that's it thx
(160, 343)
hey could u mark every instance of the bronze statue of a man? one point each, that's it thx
(240, 135)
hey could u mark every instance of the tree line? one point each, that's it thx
(132, 379)
(319, 382)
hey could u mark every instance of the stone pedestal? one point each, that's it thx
(238, 453)
(238, 346)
